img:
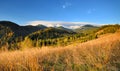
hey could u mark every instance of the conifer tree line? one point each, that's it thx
(50, 37)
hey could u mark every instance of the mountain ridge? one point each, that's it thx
(11, 33)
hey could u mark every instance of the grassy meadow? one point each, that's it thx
(102, 54)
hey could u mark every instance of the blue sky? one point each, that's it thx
(94, 11)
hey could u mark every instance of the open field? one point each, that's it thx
(102, 54)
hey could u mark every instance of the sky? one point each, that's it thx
(33, 12)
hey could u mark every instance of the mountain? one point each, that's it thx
(16, 29)
(63, 28)
(32, 29)
(102, 54)
(11, 33)
(41, 26)
(21, 30)
(49, 33)
(6, 34)
(88, 25)
(9, 24)
(108, 29)
(85, 28)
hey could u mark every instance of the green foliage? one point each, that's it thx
(57, 37)
(86, 29)
(14, 36)
(109, 29)
(49, 33)
(27, 43)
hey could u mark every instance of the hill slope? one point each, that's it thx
(21, 30)
(108, 29)
(11, 33)
(16, 29)
(85, 28)
(49, 33)
(37, 36)
(97, 55)
(63, 28)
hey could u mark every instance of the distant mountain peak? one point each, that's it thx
(66, 29)
(40, 25)
(88, 25)
(60, 27)
(8, 23)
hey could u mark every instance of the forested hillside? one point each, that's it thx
(102, 54)
(41, 48)
(13, 36)
(11, 33)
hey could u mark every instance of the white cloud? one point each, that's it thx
(46, 23)
(58, 25)
(74, 26)
(71, 25)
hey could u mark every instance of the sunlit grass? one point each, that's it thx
(102, 54)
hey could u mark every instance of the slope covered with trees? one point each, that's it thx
(49, 33)
(13, 36)
(108, 29)
(21, 30)
(86, 28)
(101, 54)
(58, 37)
(11, 33)
(49, 37)
(93, 49)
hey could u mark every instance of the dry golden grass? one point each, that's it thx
(102, 54)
